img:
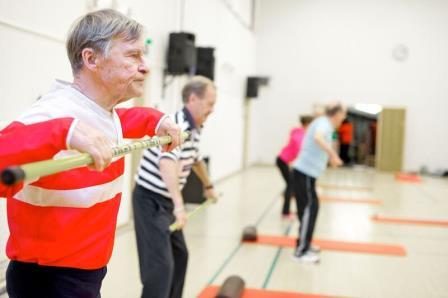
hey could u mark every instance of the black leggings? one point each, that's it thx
(287, 193)
(307, 208)
(344, 150)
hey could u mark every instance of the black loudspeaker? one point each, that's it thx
(205, 62)
(193, 191)
(181, 53)
(252, 87)
(253, 83)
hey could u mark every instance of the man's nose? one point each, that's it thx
(143, 67)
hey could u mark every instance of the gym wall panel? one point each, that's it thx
(30, 64)
(317, 51)
(235, 45)
(33, 51)
(4, 231)
(51, 17)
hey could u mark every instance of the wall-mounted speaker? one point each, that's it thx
(205, 65)
(181, 53)
(253, 84)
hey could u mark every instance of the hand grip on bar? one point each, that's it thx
(34, 170)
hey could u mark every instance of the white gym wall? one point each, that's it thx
(3, 228)
(321, 50)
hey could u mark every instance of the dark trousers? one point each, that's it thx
(344, 150)
(30, 280)
(163, 256)
(287, 193)
(307, 208)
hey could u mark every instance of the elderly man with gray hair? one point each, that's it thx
(62, 226)
(157, 198)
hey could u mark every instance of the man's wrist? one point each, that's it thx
(179, 209)
(161, 121)
(209, 186)
(333, 154)
(179, 205)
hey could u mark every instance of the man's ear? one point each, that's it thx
(89, 58)
(191, 98)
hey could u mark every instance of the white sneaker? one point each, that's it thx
(308, 257)
(315, 249)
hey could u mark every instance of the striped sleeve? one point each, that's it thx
(196, 140)
(174, 154)
(186, 155)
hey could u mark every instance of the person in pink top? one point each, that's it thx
(287, 155)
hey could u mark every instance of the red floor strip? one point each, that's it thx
(345, 187)
(406, 177)
(368, 248)
(349, 200)
(211, 291)
(410, 221)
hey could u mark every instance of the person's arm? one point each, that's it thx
(139, 122)
(334, 157)
(200, 168)
(20, 144)
(169, 170)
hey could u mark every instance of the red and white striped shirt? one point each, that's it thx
(68, 219)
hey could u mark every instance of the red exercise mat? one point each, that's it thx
(211, 291)
(411, 221)
(407, 177)
(356, 247)
(345, 187)
(349, 200)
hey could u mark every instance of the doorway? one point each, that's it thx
(360, 148)
(377, 137)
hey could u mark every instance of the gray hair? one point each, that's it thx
(197, 85)
(96, 30)
(334, 108)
